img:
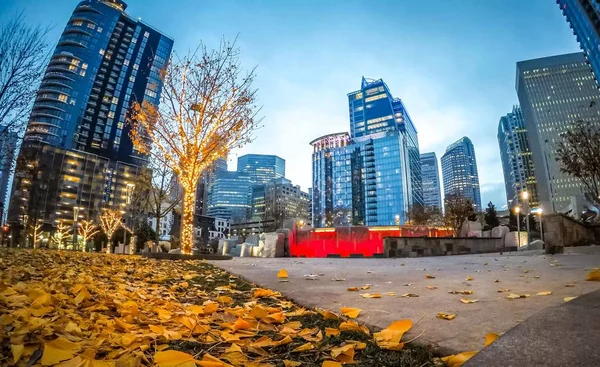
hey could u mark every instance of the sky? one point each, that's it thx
(452, 62)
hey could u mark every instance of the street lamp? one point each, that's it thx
(541, 225)
(525, 196)
(518, 210)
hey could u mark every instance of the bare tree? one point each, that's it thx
(457, 209)
(207, 108)
(22, 62)
(419, 214)
(579, 155)
(160, 201)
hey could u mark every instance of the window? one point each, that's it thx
(62, 98)
(91, 26)
(99, 29)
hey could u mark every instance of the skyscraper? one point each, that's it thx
(279, 200)
(230, 196)
(517, 162)
(77, 140)
(261, 168)
(431, 180)
(372, 175)
(584, 18)
(459, 171)
(555, 92)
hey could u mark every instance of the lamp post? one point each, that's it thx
(75, 216)
(129, 192)
(541, 225)
(525, 196)
(518, 210)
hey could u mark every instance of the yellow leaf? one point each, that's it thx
(17, 351)
(466, 300)
(282, 273)
(594, 275)
(429, 276)
(43, 300)
(233, 348)
(567, 299)
(490, 338)
(457, 360)
(365, 287)
(241, 324)
(544, 293)
(195, 309)
(431, 287)
(328, 315)
(357, 344)
(350, 312)
(469, 278)
(260, 292)
(407, 295)
(461, 292)
(446, 316)
(274, 318)
(391, 294)
(286, 340)
(58, 350)
(331, 364)
(394, 332)
(370, 295)
(162, 313)
(42, 311)
(156, 329)
(353, 325)
(304, 348)
(353, 289)
(288, 363)
(332, 331)
(517, 296)
(73, 362)
(347, 350)
(485, 263)
(225, 299)
(210, 307)
(173, 358)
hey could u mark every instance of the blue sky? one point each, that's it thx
(452, 62)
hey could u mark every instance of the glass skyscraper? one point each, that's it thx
(555, 92)
(104, 61)
(431, 180)
(372, 175)
(459, 171)
(261, 168)
(517, 162)
(584, 18)
(230, 196)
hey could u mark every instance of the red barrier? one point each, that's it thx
(346, 241)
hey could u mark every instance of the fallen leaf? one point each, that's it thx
(353, 289)
(391, 294)
(282, 273)
(17, 351)
(502, 290)
(429, 276)
(594, 275)
(544, 293)
(496, 281)
(350, 312)
(260, 292)
(446, 316)
(490, 338)
(344, 353)
(517, 296)
(466, 300)
(338, 280)
(370, 295)
(457, 360)
(304, 348)
(288, 363)
(567, 299)
(331, 364)
(469, 278)
(569, 285)
(365, 287)
(536, 276)
(461, 292)
(431, 287)
(407, 295)
(59, 349)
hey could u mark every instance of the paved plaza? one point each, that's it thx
(509, 273)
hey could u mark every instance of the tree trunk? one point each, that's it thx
(187, 221)
(157, 229)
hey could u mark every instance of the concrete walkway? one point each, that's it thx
(493, 312)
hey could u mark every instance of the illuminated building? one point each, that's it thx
(261, 168)
(104, 62)
(517, 163)
(459, 171)
(555, 92)
(279, 200)
(431, 180)
(372, 175)
(230, 196)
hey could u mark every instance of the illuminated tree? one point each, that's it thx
(36, 234)
(62, 235)
(110, 221)
(207, 108)
(87, 229)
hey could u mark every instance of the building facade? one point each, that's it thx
(555, 92)
(432, 195)
(9, 144)
(517, 161)
(279, 200)
(584, 18)
(230, 196)
(459, 171)
(104, 62)
(372, 175)
(261, 168)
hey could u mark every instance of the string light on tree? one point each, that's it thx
(110, 221)
(207, 108)
(87, 229)
(62, 236)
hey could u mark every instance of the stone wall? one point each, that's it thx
(431, 246)
(563, 231)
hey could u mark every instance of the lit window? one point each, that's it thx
(62, 97)
(99, 29)
(101, 52)
(84, 66)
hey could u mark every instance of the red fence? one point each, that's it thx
(346, 241)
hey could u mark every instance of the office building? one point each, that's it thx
(555, 92)
(372, 175)
(459, 171)
(432, 195)
(9, 144)
(517, 162)
(104, 62)
(230, 196)
(261, 168)
(584, 18)
(279, 200)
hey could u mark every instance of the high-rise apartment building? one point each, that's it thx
(432, 195)
(555, 92)
(459, 171)
(279, 200)
(584, 18)
(372, 175)
(261, 168)
(230, 196)
(77, 148)
(517, 161)
(9, 143)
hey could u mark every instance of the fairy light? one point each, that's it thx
(62, 235)
(87, 229)
(110, 221)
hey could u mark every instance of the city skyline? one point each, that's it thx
(463, 80)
